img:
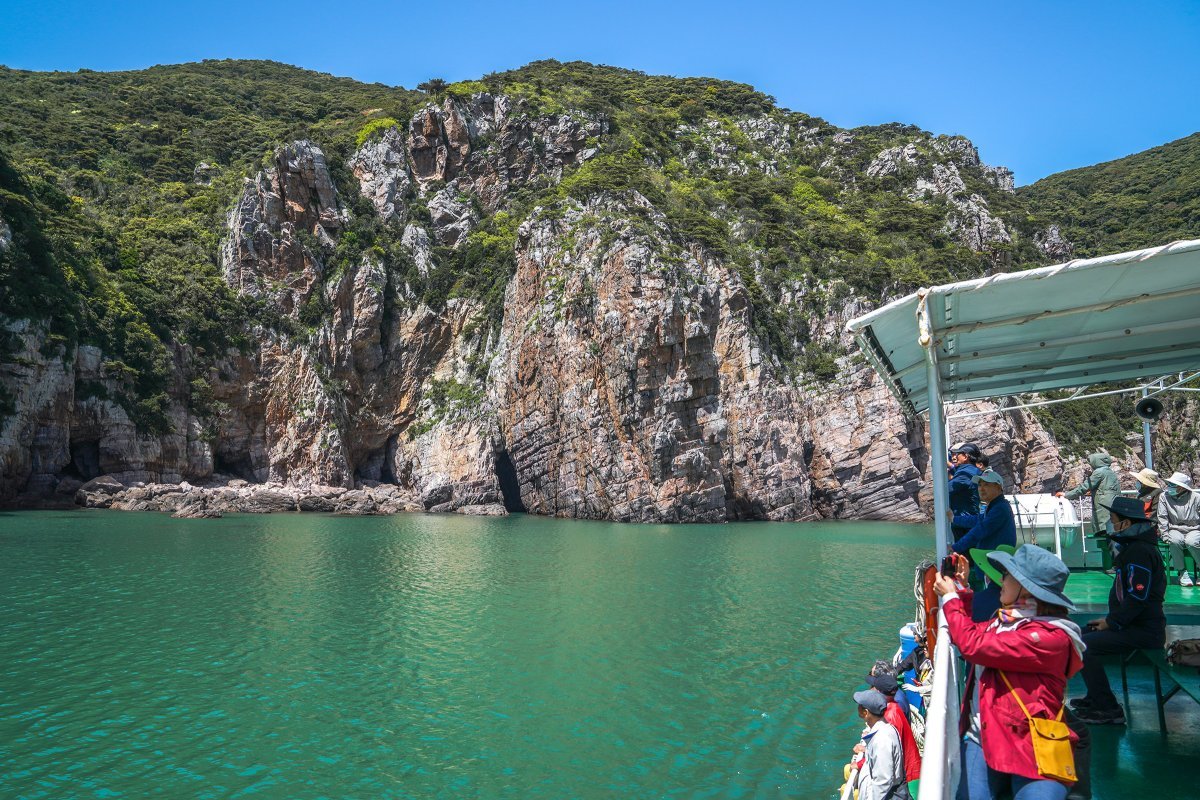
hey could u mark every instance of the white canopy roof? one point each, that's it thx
(1087, 321)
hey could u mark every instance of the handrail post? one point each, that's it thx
(941, 754)
(1057, 528)
(1149, 456)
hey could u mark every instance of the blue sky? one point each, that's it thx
(1039, 86)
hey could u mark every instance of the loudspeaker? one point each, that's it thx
(1149, 408)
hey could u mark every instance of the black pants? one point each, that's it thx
(1111, 643)
(1082, 790)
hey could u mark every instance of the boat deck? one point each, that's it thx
(1089, 590)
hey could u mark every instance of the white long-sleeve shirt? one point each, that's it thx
(882, 775)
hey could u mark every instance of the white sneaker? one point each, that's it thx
(1185, 579)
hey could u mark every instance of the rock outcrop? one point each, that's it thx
(610, 396)
(285, 206)
(1051, 242)
(383, 174)
(631, 388)
(65, 428)
(624, 382)
(972, 222)
(222, 495)
(493, 147)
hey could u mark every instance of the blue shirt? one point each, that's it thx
(964, 494)
(994, 527)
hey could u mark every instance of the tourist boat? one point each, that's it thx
(1119, 318)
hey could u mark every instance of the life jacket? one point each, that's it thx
(930, 601)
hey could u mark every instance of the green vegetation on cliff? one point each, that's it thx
(118, 186)
(1143, 200)
(62, 270)
(1085, 426)
(765, 189)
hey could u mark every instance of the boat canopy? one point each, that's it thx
(1115, 318)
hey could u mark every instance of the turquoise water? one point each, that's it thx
(418, 656)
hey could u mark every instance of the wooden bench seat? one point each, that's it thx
(1185, 679)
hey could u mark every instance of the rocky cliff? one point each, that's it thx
(627, 377)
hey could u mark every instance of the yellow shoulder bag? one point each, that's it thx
(1051, 742)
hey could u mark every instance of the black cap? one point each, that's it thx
(885, 683)
(969, 449)
(1128, 507)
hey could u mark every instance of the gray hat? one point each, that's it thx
(989, 476)
(1042, 573)
(872, 700)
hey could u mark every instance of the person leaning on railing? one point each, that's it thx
(963, 497)
(897, 716)
(1021, 661)
(988, 530)
(881, 765)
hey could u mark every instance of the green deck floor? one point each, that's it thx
(1089, 591)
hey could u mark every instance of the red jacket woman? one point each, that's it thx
(895, 716)
(1034, 644)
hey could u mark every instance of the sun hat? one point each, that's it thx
(989, 476)
(1042, 573)
(1148, 477)
(872, 700)
(979, 559)
(885, 683)
(1128, 507)
(1181, 479)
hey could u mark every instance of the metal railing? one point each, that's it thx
(1035, 518)
(941, 767)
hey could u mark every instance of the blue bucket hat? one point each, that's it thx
(1042, 573)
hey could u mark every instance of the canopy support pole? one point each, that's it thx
(937, 455)
(941, 769)
(937, 430)
(1149, 457)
